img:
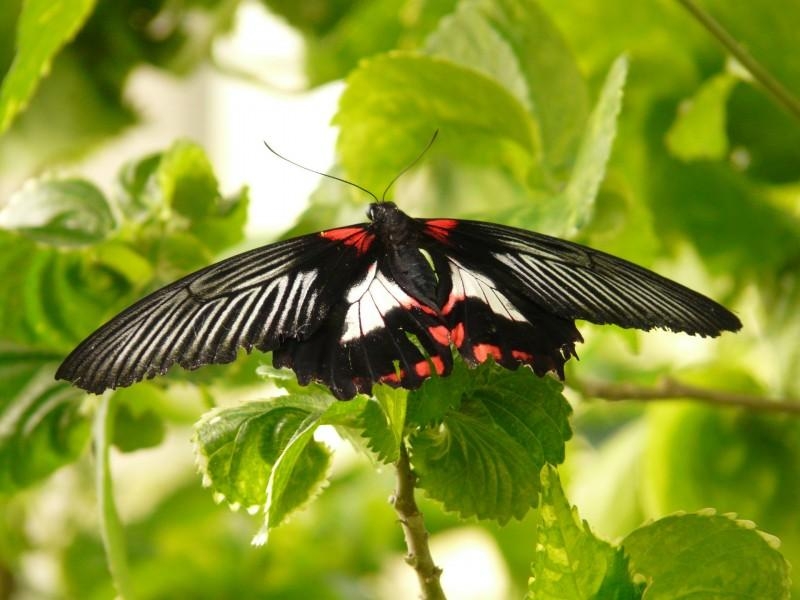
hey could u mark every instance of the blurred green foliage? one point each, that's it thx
(622, 125)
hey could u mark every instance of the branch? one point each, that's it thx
(774, 87)
(419, 554)
(670, 389)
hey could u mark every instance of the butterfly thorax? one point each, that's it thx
(402, 240)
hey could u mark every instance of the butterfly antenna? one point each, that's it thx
(328, 175)
(410, 165)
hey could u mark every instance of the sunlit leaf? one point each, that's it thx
(393, 104)
(59, 212)
(570, 561)
(43, 28)
(699, 131)
(699, 554)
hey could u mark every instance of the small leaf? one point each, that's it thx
(383, 422)
(699, 131)
(186, 180)
(238, 447)
(43, 28)
(41, 424)
(394, 103)
(485, 457)
(570, 562)
(571, 210)
(706, 554)
(67, 212)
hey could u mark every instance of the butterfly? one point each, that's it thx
(384, 302)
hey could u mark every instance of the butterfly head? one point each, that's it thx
(379, 212)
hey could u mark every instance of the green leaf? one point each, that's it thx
(515, 43)
(59, 212)
(262, 454)
(384, 422)
(699, 131)
(485, 457)
(394, 103)
(51, 299)
(707, 555)
(723, 453)
(186, 180)
(42, 30)
(41, 424)
(570, 562)
(137, 420)
(573, 209)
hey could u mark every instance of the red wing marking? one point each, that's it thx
(484, 351)
(440, 334)
(457, 335)
(522, 356)
(422, 368)
(358, 237)
(451, 302)
(440, 228)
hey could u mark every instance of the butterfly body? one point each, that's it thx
(385, 301)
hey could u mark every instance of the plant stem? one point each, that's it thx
(419, 554)
(670, 389)
(111, 529)
(774, 87)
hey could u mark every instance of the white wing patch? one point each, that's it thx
(370, 299)
(469, 284)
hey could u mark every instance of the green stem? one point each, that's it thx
(111, 529)
(774, 87)
(419, 553)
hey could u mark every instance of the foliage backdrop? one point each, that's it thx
(623, 126)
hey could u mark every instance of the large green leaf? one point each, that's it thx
(41, 423)
(485, 457)
(42, 30)
(570, 562)
(393, 103)
(707, 555)
(515, 43)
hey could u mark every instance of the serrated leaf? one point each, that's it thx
(485, 457)
(42, 29)
(67, 212)
(515, 43)
(699, 130)
(570, 562)
(571, 210)
(394, 103)
(707, 555)
(41, 424)
(437, 396)
(262, 454)
(382, 422)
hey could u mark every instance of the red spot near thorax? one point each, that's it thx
(358, 237)
(440, 228)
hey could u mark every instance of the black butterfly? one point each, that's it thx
(384, 301)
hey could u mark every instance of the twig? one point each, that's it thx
(670, 389)
(419, 554)
(774, 87)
